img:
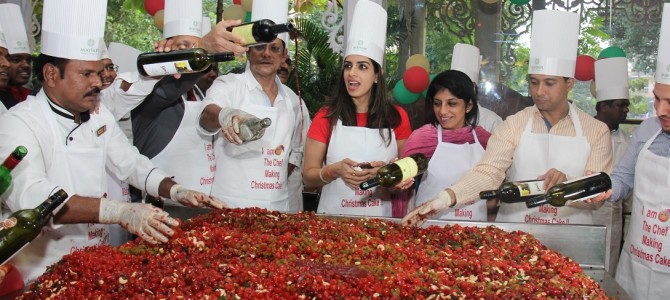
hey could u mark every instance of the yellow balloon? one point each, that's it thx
(593, 88)
(158, 19)
(246, 4)
(234, 12)
(418, 60)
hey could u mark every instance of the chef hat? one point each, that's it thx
(11, 20)
(3, 43)
(123, 56)
(205, 26)
(663, 56)
(74, 29)
(612, 79)
(275, 10)
(367, 35)
(466, 59)
(553, 43)
(105, 52)
(182, 17)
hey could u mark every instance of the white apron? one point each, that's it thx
(534, 156)
(255, 174)
(362, 145)
(644, 266)
(448, 164)
(119, 191)
(80, 171)
(189, 156)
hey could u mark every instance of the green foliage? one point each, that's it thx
(639, 105)
(592, 35)
(637, 84)
(130, 26)
(639, 41)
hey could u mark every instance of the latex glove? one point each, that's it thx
(230, 119)
(426, 210)
(150, 223)
(194, 198)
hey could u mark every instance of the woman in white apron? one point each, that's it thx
(452, 99)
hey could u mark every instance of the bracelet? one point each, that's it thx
(321, 175)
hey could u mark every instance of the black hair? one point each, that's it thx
(43, 59)
(461, 87)
(382, 114)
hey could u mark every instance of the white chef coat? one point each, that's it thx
(242, 91)
(488, 119)
(44, 133)
(120, 102)
(2, 108)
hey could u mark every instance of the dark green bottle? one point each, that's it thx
(8, 165)
(398, 171)
(515, 191)
(574, 190)
(261, 31)
(25, 225)
(179, 61)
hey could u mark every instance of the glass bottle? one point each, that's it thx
(8, 165)
(253, 128)
(261, 31)
(398, 171)
(574, 190)
(515, 191)
(179, 61)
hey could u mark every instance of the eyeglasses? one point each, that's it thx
(112, 67)
(273, 48)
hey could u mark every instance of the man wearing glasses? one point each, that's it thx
(254, 174)
(108, 73)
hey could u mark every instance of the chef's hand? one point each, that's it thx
(552, 178)
(592, 203)
(150, 223)
(351, 173)
(229, 119)
(419, 215)
(194, 198)
(219, 39)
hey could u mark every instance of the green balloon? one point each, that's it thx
(520, 2)
(426, 90)
(248, 17)
(610, 52)
(402, 95)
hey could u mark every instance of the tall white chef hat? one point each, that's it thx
(367, 35)
(553, 43)
(182, 17)
(11, 19)
(612, 79)
(466, 59)
(663, 56)
(74, 29)
(124, 56)
(205, 26)
(3, 42)
(275, 10)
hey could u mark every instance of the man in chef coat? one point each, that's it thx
(69, 147)
(4, 66)
(552, 140)
(19, 57)
(254, 174)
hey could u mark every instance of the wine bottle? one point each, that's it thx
(25, 225)
(8, 165)
(515, 191)
(398, 171)
(253, 129)
(574, 190)
(179, 61)
(261, 31)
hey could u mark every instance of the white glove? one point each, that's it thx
(150, 223)
(194, 198)
(230, 119)
(426, 210)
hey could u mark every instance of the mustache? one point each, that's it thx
(94, 92)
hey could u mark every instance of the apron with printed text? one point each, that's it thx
(360, 144)
(644, 266)
(535, 154)
(448, 164)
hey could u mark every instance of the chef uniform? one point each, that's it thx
(553, 52)
(15, 39)
(466, 58)
(254, 174)
(611, 77)
(643, 269)
(368, 38)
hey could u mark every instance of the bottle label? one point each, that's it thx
(530, 188)
(246, 33)
(168, 68)
(408, 167)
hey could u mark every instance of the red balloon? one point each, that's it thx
(237, 2)
(152, 6)
(584, 68)
(416, 79)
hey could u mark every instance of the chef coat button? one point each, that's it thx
(71, 138)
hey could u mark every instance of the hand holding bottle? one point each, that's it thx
(194, 198)
(420, 214)
(150, 223)
(552, 177)
(351, 172)
(591, 203)
(230, 120)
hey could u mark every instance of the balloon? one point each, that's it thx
(610, 52)
(592, 87)
(584, 68)
(234, 12)
(153, 6)
(416, 79)
(418, 60)
(426, 90)
(246, 4)
(402, 95)
(239, 2)
(158, 19)
(520, 2)
(248, 17)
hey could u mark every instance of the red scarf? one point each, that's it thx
(20, 93)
